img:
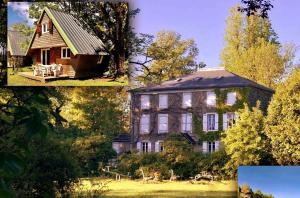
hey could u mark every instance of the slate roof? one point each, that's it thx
(122, 138)
(75, 35)
(204, 79)
(15, 40)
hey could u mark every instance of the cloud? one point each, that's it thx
(21, 8)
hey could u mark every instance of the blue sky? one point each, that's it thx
(202, 20)
(280, 181)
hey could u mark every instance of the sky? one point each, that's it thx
(280, 181)
(202, 20)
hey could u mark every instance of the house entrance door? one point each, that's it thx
(45, 56)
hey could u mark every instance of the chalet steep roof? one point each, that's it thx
(77, 38)
(205, 79)
(15, 40)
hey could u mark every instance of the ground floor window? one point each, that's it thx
(210, 147)
(45, 56)
(159, 146)
(65, 53)
(145, 147)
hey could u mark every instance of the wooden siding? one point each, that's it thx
(47, 40)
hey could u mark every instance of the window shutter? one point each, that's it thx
(50, 26)
(39, 29)
(204, 122)
(217, 145)
(157, 146)
(138, 146)
(224, 121)
(216, 122)
(149, 147)
(204, 147)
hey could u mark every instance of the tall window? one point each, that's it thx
(159, 146)
(65, 53)
(230, 119)
(211, 147)
(211, 99)
(186, 123)
(163, 101)
(211, 120)
(145, 101)
(231, 98)
(45, 28)
(145, 124)
(145, 147)
(162, 123)
(187, 100)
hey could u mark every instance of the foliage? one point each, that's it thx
(283, 121)
(252, 49)
(92, 151)
(245, 192)
(252, 7)
(3, 43)
(167, 57)
(26, 30)
(246, 142)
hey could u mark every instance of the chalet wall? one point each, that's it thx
(47, 40)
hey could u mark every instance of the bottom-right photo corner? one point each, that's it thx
(269, 181)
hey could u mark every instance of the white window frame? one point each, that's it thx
(159, 146)
(145, 105)
(185, 122)
(231, 101)
(45, 25)
(48, 49)
(231, 119)
(146, 129)
(215, 128)
(65, 56)
(211, 99)
(186, 104)
(163, 101)
(160, 116)
(145, 147)
(211, 147)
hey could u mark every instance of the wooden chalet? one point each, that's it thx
(61, 39)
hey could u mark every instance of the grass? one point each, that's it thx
(166, 189)
(16, 80)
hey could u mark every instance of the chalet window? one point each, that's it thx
(163, 101)
(210, 122)
(145, 124)
(210, 147)
(187, 100)
(186, 123)
(229, 120)
(162, 123)
(145, 101)
(211, 99)
(45, 28)
(65, 53)
(159, 146)
(231, 98)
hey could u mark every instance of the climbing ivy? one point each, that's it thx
(242, 96)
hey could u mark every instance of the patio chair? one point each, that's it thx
(43, 71)
(35, 70)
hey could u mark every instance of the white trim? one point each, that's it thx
(62, 53)
(159, 123)
(47, 30)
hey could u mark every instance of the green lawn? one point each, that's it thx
(16, 80)
(166, 189)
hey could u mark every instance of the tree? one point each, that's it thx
(252, 7)
(167, 57)
(283, 121)
(252, 49)
(3, 40)
(245, 142)
(26, 30)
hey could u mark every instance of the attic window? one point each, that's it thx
(45, 28)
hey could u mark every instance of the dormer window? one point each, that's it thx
(45, 28)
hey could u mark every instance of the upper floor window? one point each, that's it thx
(186, 123)
(145, 124)
(228, 120)
(211, 99)
(231, 98)
(162, 123)
(145, 101)
(159, 146)
(187, 100)
(163, 101)
(210, 122)
(65, 53)
(45, 28)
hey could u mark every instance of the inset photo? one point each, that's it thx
(269, 181)
(67, 43)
